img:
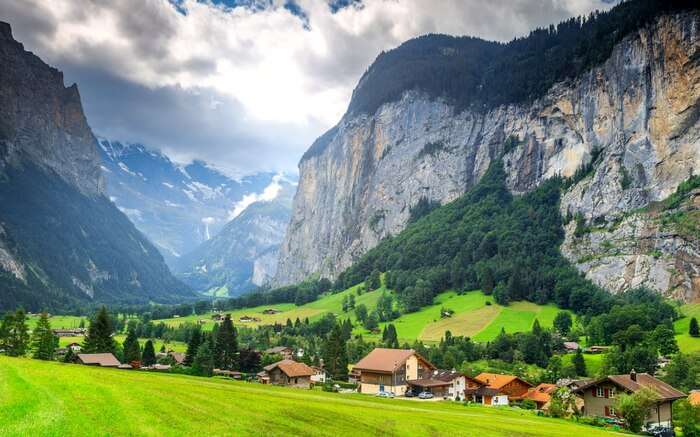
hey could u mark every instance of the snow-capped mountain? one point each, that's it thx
(177, 207)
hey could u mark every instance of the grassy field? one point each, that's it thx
(52, 399)
(58, 322)
(686, 343)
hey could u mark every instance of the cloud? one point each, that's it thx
(245, 85)
(269, 193)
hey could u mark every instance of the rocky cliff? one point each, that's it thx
(637, 113)
(62, 242)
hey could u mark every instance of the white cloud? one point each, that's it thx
(248, 90)
(269, 193)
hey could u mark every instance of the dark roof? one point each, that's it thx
(481, 391)
(387, 360)
(278, 349)
(104, 360)
(446, 375)
(291, 368)
(428, 382)
(663, 390)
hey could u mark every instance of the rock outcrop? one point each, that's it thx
(638, 112)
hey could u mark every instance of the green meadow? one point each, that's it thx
(54, 399)
(686, 343)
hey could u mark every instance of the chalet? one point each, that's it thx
(501, 389)
(391, 370)
(319, 375)
(248, 319)
(600, 396)
(286, 352)
(228, 373)
(102, 360)
(354, 376)
(218, 317)
(287, 372)
(541, 395)
(72, 332)
(571, 346)
(75, 347)
(448, 384)
(178, 357)
(596, 349)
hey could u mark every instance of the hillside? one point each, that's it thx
(79, 399)
(62, 242)
(611, 99)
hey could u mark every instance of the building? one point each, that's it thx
(501, 389)
(228, 373)
(75, 347)
(178, 357)
(541, 395)
(287, 372)
(451, 384)
(571, 346)
(391, 369)
(271, 311)
(597, 349)
(102, 360)
(287, 353)
(319, 375)
(72, 332)
(600, 396)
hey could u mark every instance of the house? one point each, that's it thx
(72, 332)
(391, 369)
(271, 311)
(178, 357)
(600, 396)
(319, 375)
(75, 347)
(218, 317)
(287, 372)
(571, 346)
(354, 376)
(228, 373)
(102, 360)
(596, 349)
(694, 397)
(455, 385)
(541, 395)
(248, 319)
(501, 389)
(286, 352)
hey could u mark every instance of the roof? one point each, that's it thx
(387, 360)
(428, 382)
(277, 349)
(497, 381)
(694, 397)
(663, 390)
(446, 375)
(291, 368)
(571, 345)
(541, 393)
(179, 357)
(104, 360)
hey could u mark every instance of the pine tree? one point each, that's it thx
(192, 347)
(132, 349)
(14, 334)
(203, 363)
(579, 364)
(335, 355)
(390, 337)
(562, 322)
(43, 340)
(694, 329)
(226, 345)
(487, 281)
(99, 337)
(347, 330)
(149, 354)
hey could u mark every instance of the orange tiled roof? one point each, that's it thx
(694, 397)
(386, 360)
(494, 380)
(541, 393)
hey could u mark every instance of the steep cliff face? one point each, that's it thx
(62, 242)
(637, 112)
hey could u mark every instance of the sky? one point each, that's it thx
(245, 85)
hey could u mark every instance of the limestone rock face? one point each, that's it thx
(42, 121)
(640, 109)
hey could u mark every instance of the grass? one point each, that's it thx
(53, 399)
(59, 322)
(594, 362)
(686, 343)
(472, 317)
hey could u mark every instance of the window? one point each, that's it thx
(611, 392)
(599, 392)
(612, 411)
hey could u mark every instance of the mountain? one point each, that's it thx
(62, 242)
(178, 207)
(244, 253)
(610, 101)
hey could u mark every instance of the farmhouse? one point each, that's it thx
(501, 389)
(391, 369)
(455, 385)
(541, 395)
(178, 357)
(102, 360)
(286, 352)
(600, 396)
(75, 347)
(287, 372)
(228, 373)
(319, 375)
(571, 346)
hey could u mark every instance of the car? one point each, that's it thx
(425, 395)
(410, 394)
(385, 394)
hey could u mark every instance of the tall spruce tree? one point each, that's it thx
(193, 346)
(148, 357)
(203, 363)
(14, 334)
(694, 329)
(226, 345)
(579, 364)
(44, 341)
(390, 337)
(99, 336)
(132, 349)
(335, 355)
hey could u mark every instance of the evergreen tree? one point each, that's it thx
(579, 364)
(69, 357)
(665, 340)
(487, 281)
(372, 321)
(43, 339)
(335, 356)
(203, 363)
(192, 347)
(694, 329)
(99, 336)
(390, 338)
(149, 354)
(361, 313)
(562, 322)
(351, 302)
(226, 345)
(374, 280)
(347, 330)
(132, 349)
(14, 334)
